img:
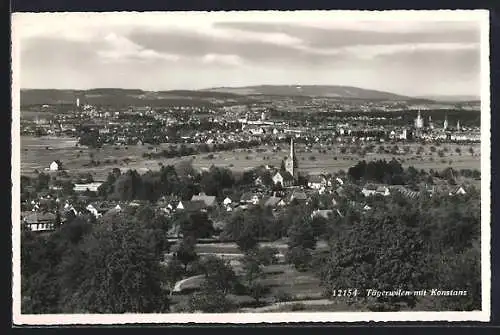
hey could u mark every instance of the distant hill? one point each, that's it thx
(452, 98)
(330, 91)
(211, 96)
(125, 97)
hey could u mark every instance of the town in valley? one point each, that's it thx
(248, 198)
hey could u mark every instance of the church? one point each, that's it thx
(288, 174)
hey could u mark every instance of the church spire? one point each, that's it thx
(292, 149)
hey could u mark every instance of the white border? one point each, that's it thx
(297, 16)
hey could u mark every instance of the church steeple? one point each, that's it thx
(290, 162)
(445, 124)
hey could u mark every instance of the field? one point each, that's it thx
(279, 280)
(38, 153)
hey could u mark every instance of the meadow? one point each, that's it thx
(38, 153)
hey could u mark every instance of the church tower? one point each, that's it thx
(445, 124)
(290, 162)
(419, 122)
(458, 125)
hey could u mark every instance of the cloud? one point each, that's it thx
(232, 60)
(120, 48)
(323, 48)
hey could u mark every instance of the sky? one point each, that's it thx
(404, 53)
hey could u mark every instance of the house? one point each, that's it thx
(192, 206)
(299, 196)
(383, 190)
(272, 202)
(92, 187)
(55, 165)
(259, 181)
(250, 198)
(93, 211)
(40, 222)
(285, 179)
(209, 200)
(459, 190)
(316, 182)
(227, 201)
(370, 190)
(325, 213)
(404, 191)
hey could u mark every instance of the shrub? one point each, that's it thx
(298, 307)
(282, 296)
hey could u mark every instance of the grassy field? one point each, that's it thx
(38, 153)
(279, 279)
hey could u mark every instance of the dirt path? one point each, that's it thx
(179, 285)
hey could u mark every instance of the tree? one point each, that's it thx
(40, 285)
(116, 270)
(252, 268)
(185, 251)
(174, 271)
(209, 301)
(214, 181)
(219, 274)
(128, 186)
(266, 255)
(300, 257)
(461, 271)
(195, 225)
(57, 221)
(42, 182)
(387, 249)
(90, 139)
(301, 234)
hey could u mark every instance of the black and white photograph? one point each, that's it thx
(250, 167)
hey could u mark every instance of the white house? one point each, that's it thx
(458, 191)
(92, 187)
(93, 210)
(283, 178)
(370, 190)
(227, 201)
(250, 198)
(316, 182)
(55, 166)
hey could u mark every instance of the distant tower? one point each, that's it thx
(78, 102)
(431, 125)
(263, 116)
(458, 125)
(445, 124)
(290, 161)
(419, 122)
